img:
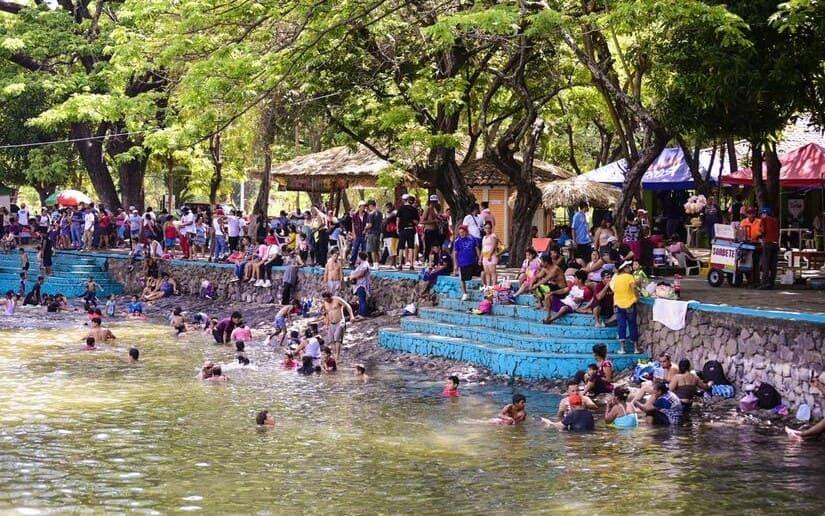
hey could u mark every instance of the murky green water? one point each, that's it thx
(87, 431)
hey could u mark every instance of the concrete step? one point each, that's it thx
(528, 313)
(498, 359)
(507, 339)
(513, 325)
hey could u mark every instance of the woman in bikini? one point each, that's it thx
(489, 256)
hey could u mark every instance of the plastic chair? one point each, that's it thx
(691, 267)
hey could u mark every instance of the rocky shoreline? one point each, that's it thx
(361, 346)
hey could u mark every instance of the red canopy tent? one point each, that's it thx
(801, 168)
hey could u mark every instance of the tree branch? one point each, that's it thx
(11, 7)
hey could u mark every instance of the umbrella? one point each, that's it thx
(570, 192)
(67, 198)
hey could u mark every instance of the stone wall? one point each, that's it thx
(752, 349)
(390, 290)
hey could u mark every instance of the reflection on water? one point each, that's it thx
(83, 430)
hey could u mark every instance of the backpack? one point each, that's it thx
(712, 371)
(767, 396)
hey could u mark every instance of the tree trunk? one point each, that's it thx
(759, 189)
(216, 153)
(91, 153)
(772, 168)
(130, 172)
(267, 135)
(654, 145)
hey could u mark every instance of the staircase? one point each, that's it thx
(70, 270)
(510, 341)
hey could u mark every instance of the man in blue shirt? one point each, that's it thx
(581, 233)
(466, 257)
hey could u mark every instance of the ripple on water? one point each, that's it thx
(384, 445)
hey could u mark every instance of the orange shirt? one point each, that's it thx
(770, 229)
(753, 228)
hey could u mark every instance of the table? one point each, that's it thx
(813, 259)
(800, 234)
(692, 232)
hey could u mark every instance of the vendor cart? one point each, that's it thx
(729, 257)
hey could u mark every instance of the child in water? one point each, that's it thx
(264, 419)
(361, 373)
(514, 413)
(135, 307)
(451, 389)
(177, 321)
(134, 355)
(289, 361)
(111, 306)
(90, 344)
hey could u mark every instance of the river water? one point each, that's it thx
(90, 432)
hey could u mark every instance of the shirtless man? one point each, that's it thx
(670, 370)
(334, 307)
(99, 333)
(549, 277)
(514, 413)
(333, 273)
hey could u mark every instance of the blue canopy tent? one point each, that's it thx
(669, 171)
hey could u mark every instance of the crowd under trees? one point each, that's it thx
(197, 95)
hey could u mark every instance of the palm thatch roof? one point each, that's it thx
(572, 191)
(333, 169)
(484, 172)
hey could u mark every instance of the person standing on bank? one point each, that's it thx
(581, 233)
(769, 237)
(625, 298)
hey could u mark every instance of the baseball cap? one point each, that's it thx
(464, 227)
(574, 399)
(404, 197)
(766, 210)
(362, 203)
(434, 198)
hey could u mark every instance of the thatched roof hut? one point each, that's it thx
(333, 169)
(484, 172)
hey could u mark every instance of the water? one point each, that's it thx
(88, 431)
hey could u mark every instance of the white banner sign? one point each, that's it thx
(723, 257)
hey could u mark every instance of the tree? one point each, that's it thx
(64, 48)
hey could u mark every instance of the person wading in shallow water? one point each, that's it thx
(334, 308)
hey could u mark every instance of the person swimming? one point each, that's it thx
(264, 419)
(361, 373)
(451, 389)
(515, 412)
(90, 344)
(177, 321)
(134, 355)
(289, 361)
(307, 366)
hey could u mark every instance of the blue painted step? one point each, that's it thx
(508, 339)
(513, 325)
(499, 360)
(529, 313)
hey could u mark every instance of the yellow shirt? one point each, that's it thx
(624, 290)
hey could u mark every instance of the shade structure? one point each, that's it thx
(570, 192)
(669, 171)
(67, 198)
(803, 167)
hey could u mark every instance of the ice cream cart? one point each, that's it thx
(729, 257)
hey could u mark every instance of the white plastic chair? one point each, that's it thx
(692, 267)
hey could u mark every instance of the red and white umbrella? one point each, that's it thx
(68, 198)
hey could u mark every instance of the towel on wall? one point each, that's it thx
(670, 312)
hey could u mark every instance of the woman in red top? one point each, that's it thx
(170, 234)
(104, 224)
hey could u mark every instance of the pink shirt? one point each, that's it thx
(244, 334)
